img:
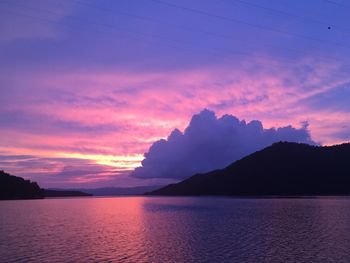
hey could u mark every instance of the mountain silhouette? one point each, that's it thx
(13, 187)
(283, 169)
(116, 191)
(64, 193)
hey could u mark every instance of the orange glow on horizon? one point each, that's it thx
(119, 161)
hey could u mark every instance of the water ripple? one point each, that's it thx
(148, 229)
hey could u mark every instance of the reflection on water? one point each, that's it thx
(150, 229)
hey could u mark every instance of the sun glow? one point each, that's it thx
(127, 162)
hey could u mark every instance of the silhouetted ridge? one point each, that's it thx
(116, 191)
(13, 187)
(64, 193)
(281, 169)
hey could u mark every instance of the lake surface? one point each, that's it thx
(178, 229)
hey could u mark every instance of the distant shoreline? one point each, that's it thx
(256, 196)
(191, 196)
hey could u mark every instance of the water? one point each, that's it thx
(150, 229)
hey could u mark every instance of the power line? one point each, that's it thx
(241, 53)
(231, 19)
(206, 52)
(130, 32)
(210, 33)
(94, 23)
(281, 12)
(44, 20)
(337, 3)
(120, 30)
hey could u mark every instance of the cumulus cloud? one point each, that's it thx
(210, 143)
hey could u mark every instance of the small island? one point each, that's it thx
(14, 187)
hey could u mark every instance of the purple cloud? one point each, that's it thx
(210, 143)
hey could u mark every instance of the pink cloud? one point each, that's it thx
(123, 113)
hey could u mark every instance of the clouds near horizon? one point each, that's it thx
(210, 143)
(101, 81)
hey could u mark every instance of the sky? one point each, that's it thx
(88, 87)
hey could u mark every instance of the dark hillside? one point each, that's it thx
(281, 169)
(13, 187)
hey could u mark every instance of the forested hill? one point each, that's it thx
(282, 169)
(13, 187)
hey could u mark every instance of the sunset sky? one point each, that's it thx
(86, 87)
